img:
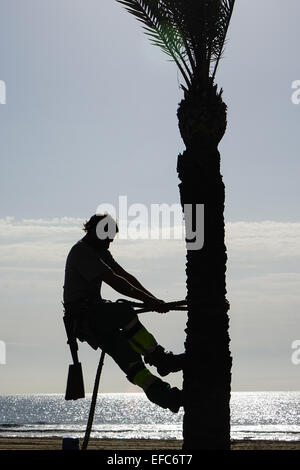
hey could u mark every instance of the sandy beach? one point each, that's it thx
(134, 444)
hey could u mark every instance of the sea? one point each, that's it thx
(254, 415)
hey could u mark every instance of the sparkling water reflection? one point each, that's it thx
(254, 415)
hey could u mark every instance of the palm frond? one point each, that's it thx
(226, 10)
(191, 32)
(160, 30)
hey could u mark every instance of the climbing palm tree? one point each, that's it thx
(193, 33)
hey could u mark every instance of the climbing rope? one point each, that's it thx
(180, 305)
(174, 308)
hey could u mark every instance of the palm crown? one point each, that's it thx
(191, 32)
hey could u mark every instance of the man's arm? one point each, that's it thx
(129, 278)
(121, 285)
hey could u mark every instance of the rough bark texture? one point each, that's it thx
(207, 375)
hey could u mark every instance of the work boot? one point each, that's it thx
(165, 362)
(163, 395)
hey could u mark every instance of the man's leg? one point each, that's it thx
(154, 354)
(157, 391)
(141, 340)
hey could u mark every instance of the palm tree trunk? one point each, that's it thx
(207, 375)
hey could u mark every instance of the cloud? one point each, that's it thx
(272, 239)
(35, 250)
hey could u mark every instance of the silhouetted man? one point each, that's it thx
(114, 326)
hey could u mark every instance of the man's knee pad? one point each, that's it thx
(138, 337)
(139, 375)
(133, 369)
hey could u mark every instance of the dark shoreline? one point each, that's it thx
(54, 443)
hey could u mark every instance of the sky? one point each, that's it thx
(90, 116)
